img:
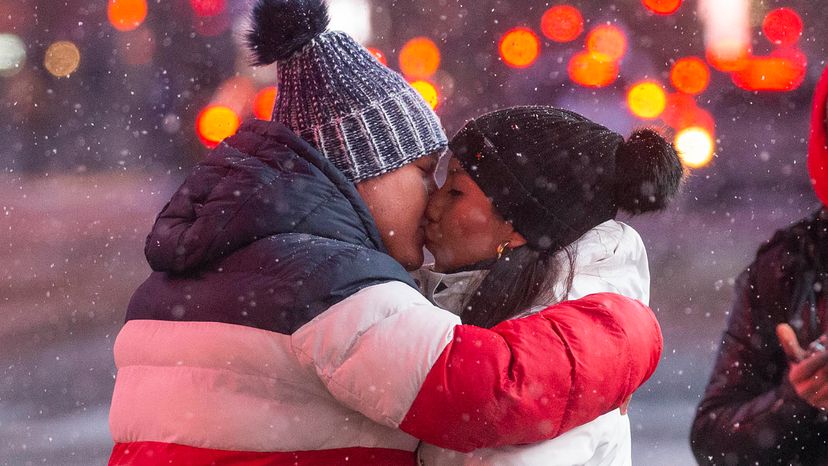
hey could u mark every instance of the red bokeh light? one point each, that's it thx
(562, 23)
(770, 74)
(782, 26)
(377, 53)
(419, 58)
(592, 69)
(519, 47)
(207, 8)
(607, 40)
(690, 75)
(264, 102)
(662, 7)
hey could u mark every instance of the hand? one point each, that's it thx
(808, 371)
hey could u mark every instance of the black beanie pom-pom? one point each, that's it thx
(648, 172)
(280, 28)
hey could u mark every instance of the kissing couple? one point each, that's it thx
(289, 319)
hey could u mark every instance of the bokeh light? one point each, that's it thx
(519, 47)
(607, 40)
(216, 123)
(690, 75)
(207, 8)
(419, 58)
(682, 112)
(264, 102)
(727, 60)
(562, 23)
(126, 15)
(377, 53)
(770, 74)
(782, 26)
(662, 7)
(428, 91)
(646, 100)
(592, 69)
(62, 59)
(695, 146)
(12, 54)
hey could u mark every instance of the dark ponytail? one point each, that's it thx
(516, 282)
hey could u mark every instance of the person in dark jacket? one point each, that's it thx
(280, 325)
(766, 399)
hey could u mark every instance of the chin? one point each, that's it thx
(413, 263)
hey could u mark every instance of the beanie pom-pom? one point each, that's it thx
(280, 28)
(649, 172)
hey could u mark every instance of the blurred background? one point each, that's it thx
(107, 104)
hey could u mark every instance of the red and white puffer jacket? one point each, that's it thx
(610, 258)
(270, 334)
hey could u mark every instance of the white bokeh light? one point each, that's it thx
(352, 17)
(695, 146)
(12, 54)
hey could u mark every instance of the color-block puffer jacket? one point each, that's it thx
(275, 330)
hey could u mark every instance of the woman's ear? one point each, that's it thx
(516, 240)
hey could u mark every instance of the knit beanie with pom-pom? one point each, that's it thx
(364, 117)
(556, 174)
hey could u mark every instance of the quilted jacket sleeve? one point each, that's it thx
(389, 354)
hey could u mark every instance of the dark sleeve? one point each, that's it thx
(750, 413)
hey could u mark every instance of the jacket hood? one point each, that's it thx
(611, 258)
(818, 142)
(263, 181)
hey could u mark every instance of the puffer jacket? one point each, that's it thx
(610, 258)
(750, 413)
(275, 330)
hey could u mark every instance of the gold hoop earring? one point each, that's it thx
(501, 248)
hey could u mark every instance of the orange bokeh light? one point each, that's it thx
(646, 100)
(428, 91)
(682, 112)
(264, 102)
(519, 47)
(690, 75)
(377, 53)
(770, 74)
(662, 7)
(607, 40)
(419, 58)
(126, 15)
(216, 123)
(592, 69)
(729, 63)
(562, 23)
(782, 26)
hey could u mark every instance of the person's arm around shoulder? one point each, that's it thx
(391, 355)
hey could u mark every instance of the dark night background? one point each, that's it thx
(86, 161)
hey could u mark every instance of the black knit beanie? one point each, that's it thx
(555, 174)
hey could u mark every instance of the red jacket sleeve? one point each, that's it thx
(534, 378)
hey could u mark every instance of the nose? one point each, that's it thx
(431, 185)
(436, 202)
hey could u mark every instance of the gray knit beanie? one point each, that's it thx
(364, 117)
